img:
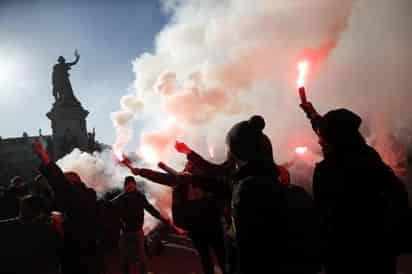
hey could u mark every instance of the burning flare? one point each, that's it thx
(303, 67)
(118, 153)
(301, 150)
(148, 154)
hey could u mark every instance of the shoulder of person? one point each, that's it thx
(321, 164)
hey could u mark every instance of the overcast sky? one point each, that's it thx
(109, 36)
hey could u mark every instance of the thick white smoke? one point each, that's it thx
(102, 172)
(219, 61)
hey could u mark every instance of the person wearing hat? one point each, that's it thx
(352, 187)
(261, 208)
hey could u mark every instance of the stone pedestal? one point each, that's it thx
(68, 121)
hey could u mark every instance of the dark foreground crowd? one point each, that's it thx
(244, 211)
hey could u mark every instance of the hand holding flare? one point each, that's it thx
(303, 68)
(182, 148)
(126, 161)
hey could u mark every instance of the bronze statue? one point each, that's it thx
(62, 88)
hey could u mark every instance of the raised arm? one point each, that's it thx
(200, 162)
(77, 55)
(314, 117)
(157, 177)
(65, 194)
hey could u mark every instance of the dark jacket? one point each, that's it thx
(352, 188)
(186, 212)
(9, 205)
(276, 224)
(130, 207)
(78, 204)
(109, 225)
(29, 248)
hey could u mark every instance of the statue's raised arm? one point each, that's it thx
(62, 88)
(77, 55)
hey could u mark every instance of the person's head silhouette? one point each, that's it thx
(61, 60)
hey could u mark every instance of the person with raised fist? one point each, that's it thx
(78, 204)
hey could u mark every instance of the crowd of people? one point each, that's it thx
(245, 211)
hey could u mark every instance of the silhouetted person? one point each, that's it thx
(130, 206)
(276, 224)
(40, 187)
(78, 204)
(353, 189)
(30, 243)
(10, 202)
(109, 226)
(62, 88)
(218, 178)
(189, 199)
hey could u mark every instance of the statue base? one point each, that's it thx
(68, 121)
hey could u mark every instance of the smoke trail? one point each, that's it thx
(122, 119)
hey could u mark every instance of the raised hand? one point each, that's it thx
(182, 148)
(309, 109)
(40, 151)
(37, 146)
(126, 161)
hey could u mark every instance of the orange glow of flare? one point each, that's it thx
(148, 154)
(303, 67)
(301, 150)
(211, 151)
(118, 153)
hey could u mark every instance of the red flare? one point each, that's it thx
(301, 150)
(118, 153)
(148, 153)
(303, 67)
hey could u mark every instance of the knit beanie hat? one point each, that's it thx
(247, 142)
